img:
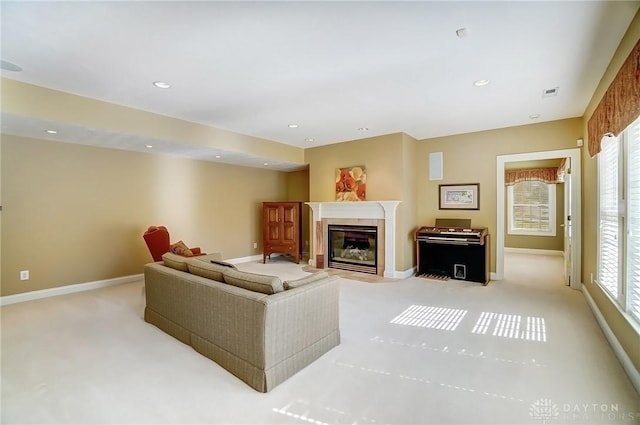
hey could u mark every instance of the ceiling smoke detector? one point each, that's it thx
(550, 92)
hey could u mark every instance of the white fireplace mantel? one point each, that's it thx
(380, 210)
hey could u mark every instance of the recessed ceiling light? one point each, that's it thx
(308, 139)
(218, 156)
(534, 116)
(8, 66)
(51, 131)
(462, 32)
(363, 128)
(293, 125)
(148, 146)
(161, 84)
(480, 83)
(266, 163)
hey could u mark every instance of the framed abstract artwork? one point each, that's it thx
(351, 183)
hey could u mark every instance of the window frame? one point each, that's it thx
(624, 290)
(614, 292)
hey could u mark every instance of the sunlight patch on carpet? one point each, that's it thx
(512, 326)
(431, 317)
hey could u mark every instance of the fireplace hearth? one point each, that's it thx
(353, 248)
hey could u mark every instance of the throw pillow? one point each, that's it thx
(209, 270)
(175, 262)
(181, 249)
(253, 282)
(296, 283)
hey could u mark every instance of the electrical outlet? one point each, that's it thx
(24, 275)
(255, 245)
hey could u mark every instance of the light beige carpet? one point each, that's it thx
(525, 350)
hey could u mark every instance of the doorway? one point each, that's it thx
(572, 216)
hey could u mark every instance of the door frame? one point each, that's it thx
(567, 229)
(576, 215)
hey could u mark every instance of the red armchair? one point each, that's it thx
(158, 242)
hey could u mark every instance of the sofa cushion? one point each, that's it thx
(253, 282)
(175, 261)
(181, 248)
(211, 269)
(296, 283)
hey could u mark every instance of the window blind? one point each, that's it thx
(609, 229)
(633, 219)
(532, 208)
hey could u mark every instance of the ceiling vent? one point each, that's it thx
(550, 92)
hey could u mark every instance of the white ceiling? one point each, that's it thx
(329, 67)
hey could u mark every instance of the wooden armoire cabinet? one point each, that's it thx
(282, 229)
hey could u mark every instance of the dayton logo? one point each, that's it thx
(544, 409)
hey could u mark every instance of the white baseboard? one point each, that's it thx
(246, 259)
(534, 251)
(402, 274)
(627, 365)
(68, 289)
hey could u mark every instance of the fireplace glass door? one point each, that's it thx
(353, 248)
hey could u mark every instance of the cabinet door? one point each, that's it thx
(289, 223)
(272, 223)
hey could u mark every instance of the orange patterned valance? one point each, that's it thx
(547, 175)
(620, 105)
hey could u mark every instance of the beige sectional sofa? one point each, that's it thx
(247, 323)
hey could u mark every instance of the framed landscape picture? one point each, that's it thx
(459, 196)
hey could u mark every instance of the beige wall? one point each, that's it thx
(397, 169)
(384, 158)
(75, 214)
(408, 209)
(44, 104)
(471, 158)
(298, 190)
(619, 324)
(553, 243)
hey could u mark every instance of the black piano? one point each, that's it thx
(453, 249)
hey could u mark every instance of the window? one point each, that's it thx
(532, 208)
(619, 219)
(633, 220)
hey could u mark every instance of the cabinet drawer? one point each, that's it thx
(280, 248)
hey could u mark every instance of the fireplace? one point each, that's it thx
(353, 248)
(378, 214)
